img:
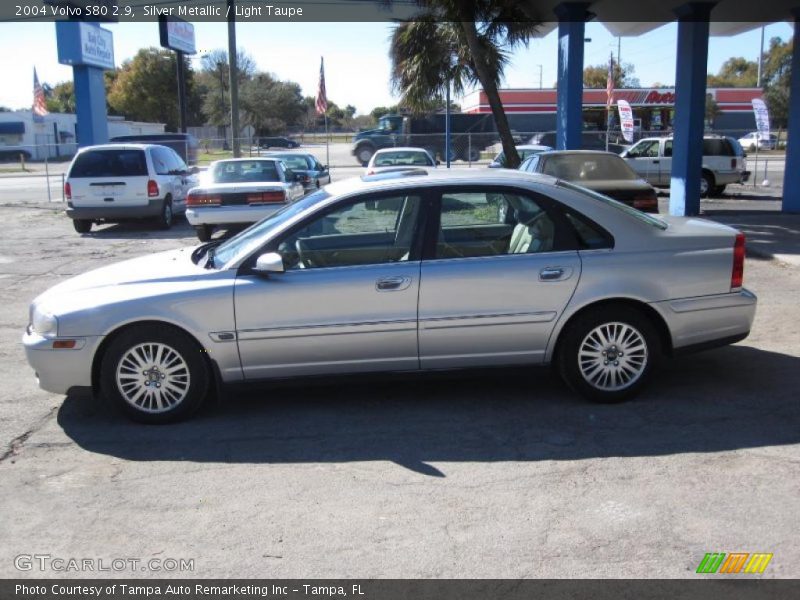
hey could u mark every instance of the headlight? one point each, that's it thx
(44, 323)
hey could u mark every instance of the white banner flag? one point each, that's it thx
(762, 118)
(625, 119)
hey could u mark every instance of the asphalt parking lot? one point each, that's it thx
(480, 474)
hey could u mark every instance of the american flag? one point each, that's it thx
(322, 98)
(610, 82)
(39, 104)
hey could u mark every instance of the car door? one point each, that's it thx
(347, 301)
(644, 158)
(492, 291)
(665, 164)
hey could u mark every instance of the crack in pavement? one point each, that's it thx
(15, 445)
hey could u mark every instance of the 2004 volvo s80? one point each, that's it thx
(405, 272)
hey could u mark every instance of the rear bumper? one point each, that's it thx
(708, 321)
(112, 212)
(227, 215)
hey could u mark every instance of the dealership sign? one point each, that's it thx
(625, 119)
(177, 35)
(82, 43)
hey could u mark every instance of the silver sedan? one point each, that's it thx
(408, 271)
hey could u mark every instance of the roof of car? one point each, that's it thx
(248, 159)
(431, 176)
(122, 146)
(401, 149)
(579, 152)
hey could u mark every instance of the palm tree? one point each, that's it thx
(460, 43)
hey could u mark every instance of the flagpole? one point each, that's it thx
(327, 143)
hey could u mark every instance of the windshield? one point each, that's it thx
(247, 241)
(244, 171)
(643, 217)
(588, 167)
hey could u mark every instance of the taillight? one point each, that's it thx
(737, 273)
(733, 163)
(646, 202)
(194, 199)
(68, 190)
(266, 197)
(152, 189)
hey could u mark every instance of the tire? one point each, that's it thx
(706, 184)
(82, 225)
(165, 219)
(594, 377)
(154, 355)
(204, 232)
(363, 154)
(719, 190)
(470, 154)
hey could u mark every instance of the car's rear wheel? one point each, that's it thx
(471, 155)
(706, 184)
(607, 355)
(82, 225)
(364, 154)
(154, 374)
(204, 232)
(165, 217)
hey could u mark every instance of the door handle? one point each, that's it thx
(554, 274)
(392, 284)
(655, 162)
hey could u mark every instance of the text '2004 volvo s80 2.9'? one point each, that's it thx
(407, 272)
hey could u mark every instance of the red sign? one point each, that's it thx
(656, 97)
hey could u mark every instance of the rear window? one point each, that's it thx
(588, 167)
(249, 171)
(109, 163)
(391, 159)
(717, 147)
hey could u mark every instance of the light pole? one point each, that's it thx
(221, 65)
(234, 78)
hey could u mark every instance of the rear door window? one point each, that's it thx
(162, 161)
(109, 163)
(717, 147)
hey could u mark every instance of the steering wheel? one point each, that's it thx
(303, 261)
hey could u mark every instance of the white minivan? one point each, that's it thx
(118, 182)
(723, 162)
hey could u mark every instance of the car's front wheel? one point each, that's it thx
(706, 184)
(154, 374)
(606, 355)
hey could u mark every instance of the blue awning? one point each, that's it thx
(12, 127)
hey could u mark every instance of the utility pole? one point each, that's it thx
(760, 58)
(181, 68)
(221, 65)
(234, 78)
(540, 76)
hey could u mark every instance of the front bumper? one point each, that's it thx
(111, 212)
(701, 321)
(229, 215)
(60, 370)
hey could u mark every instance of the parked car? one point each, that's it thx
(185, 144)
(603, 172)
(118, 182)
(14, 153)
(240, 191)
(723, 162)
(754, 138)
(314, 173)
(400, 273)
(590, 140)
(524, 151)
(392, 159)
(277, 142)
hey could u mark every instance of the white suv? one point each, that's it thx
(117, 182)
(723, 162)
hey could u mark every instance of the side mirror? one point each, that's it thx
(271, 262)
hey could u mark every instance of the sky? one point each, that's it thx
(357, 65)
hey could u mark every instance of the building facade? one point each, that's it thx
(532, 110)
(53, 135)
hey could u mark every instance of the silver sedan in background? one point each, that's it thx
(407, 271)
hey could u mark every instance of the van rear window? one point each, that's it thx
(109, 163)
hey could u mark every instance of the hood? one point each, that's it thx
(146, 275)
(366, 133)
